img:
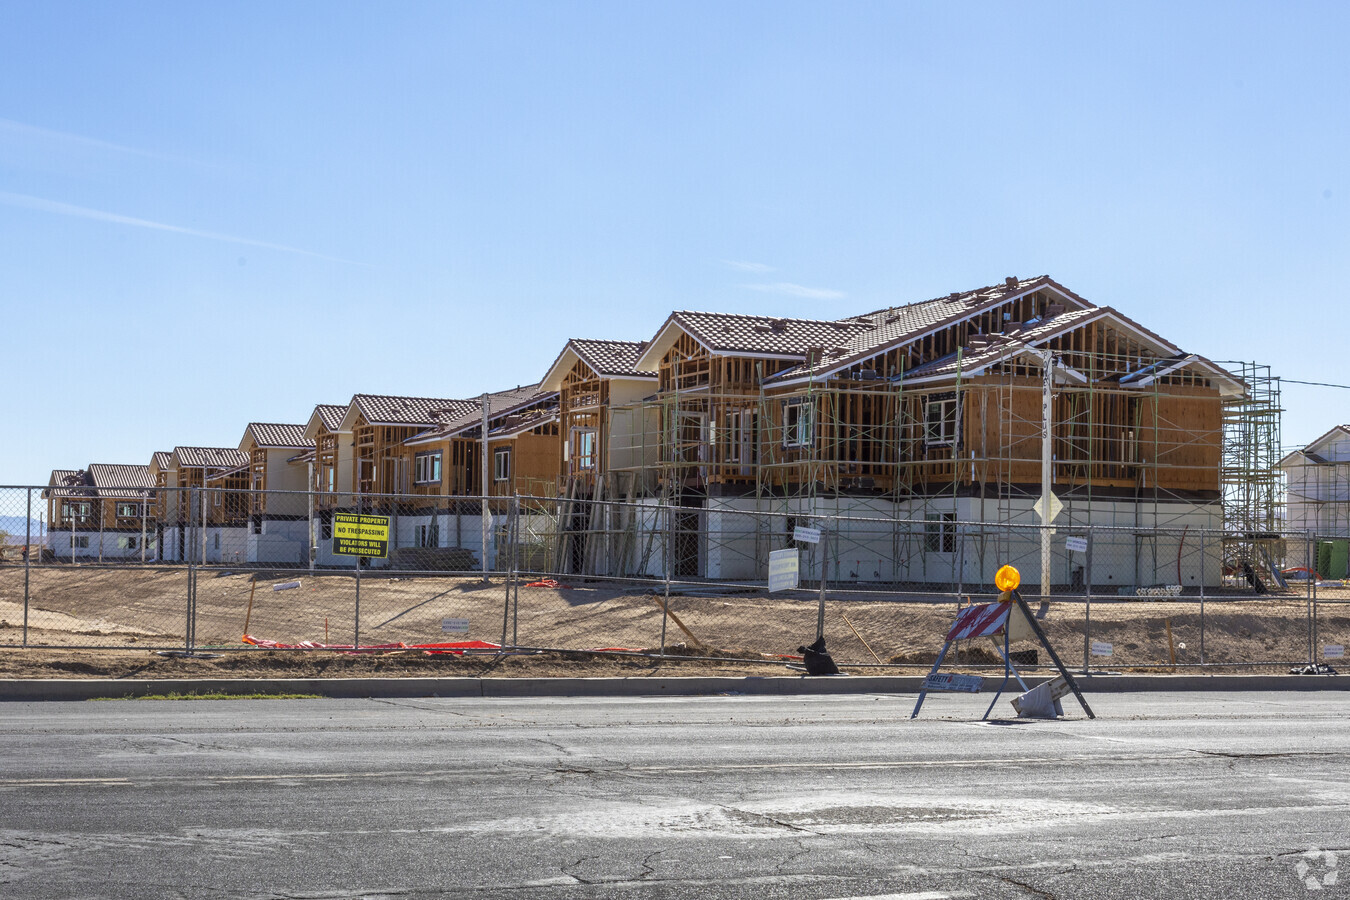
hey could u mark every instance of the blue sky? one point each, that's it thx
(216, 214)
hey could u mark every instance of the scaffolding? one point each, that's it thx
(1253, 482)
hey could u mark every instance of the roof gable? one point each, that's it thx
(607, 359)
(888, 329)
(1321, 446)
(326, 416)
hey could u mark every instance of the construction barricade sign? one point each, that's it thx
(358, 535)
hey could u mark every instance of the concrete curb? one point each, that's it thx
(698, 686)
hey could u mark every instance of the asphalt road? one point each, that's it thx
(1196, 795)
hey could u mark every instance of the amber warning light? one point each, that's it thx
(1007, 579)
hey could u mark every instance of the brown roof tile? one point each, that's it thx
(733, 332)
(121, 480)
(271, 434)
(611, 357)
(331, 415)
(69, 483)
(382, 409)
(209, 457)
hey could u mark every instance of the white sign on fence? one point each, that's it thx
(1056, 507)
(1076, 544)
(455, 626)
(950, 681)
(1333, 651)
(782, 570)
(803, 535)
(1101, 648)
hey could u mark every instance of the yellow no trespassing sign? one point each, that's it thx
(357, 535)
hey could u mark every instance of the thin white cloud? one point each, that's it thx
(743, 266)
(31, 133)
(797, 290)
(23, 201)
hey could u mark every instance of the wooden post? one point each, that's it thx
(248, 615)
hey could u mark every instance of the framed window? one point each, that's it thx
(742, 444)
(332, 479)
(129, 510)
(940, 418)
(81, 541)
(78, 511)
(428, 535)
(127, 543)
(427, 468)
(584, 454)
(799, 423)
(501, 464)
(939, 532)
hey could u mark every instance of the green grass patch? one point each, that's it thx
(216, 695)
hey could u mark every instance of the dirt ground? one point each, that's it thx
(87, 621)
(56, 663)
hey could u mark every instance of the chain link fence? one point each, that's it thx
(200, 568)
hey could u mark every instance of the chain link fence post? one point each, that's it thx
(1087, 602)
(960, 563)
(512, 520)
(187, 610)
(665, 605)
(1312, 577)
(27, 553)
(1316, 634)
(1203, 553)
(1312, 612)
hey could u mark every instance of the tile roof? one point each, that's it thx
(162, 458)
(271, 434)
(69, 483)
(883, 328)
(121, 480)
(382, 409)
(611, 357)
(331, 415)
(209, 457)
(732, 332)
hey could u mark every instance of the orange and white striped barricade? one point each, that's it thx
(1012, 620)
(981, 620)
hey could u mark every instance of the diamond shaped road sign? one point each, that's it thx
(1056, 507)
